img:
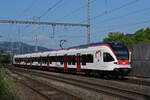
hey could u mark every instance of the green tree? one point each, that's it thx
(127, 39)
(4, 58)
(140, 36)
(114, 36)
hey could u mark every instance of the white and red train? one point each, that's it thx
(102, 58)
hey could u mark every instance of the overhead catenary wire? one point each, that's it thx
(49, 9)
(74, 11)
(28, 8)
(124, 15)
(112, 10)
(58, 7)
(124, 25)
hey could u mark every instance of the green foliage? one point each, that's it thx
(139, 37)
(114, 36)
(7, 91)
(4, 59)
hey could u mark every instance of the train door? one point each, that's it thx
(78, 59)
(65, 62)
(40, 62)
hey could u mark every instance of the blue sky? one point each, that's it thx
(106, 16)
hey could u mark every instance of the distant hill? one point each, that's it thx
(25, 48)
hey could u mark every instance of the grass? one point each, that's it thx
(8, 89)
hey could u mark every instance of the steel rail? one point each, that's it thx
(97, 87)
(41, 84)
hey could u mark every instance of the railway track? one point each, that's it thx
(95, 85)
(139, 82)
(43, 89)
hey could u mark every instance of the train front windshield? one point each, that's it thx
(121, 51)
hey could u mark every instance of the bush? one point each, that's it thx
(6, 86)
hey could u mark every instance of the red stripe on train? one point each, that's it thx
(65, 62)
(78, 63)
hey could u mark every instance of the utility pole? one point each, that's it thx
(19, 40)
(11, 48)
(36, 19)
(11, 45)
(53, 31)
(36, 42)
(88, 21)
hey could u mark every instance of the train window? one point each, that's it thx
(33, 59)
(39, 59)
(16, 60)
(58, 59)
(73, 60)
(61, 59)
(50, 59)
(69, 60)
(53, 58)
(22, 59)
(89, 58)
(44, 59)
(107, 57)
(83, 59)
(36, 59)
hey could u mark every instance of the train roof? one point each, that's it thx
(91, 44)
(80, 47)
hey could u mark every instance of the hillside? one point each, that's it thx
(25, 48)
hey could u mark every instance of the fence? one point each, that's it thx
(140, 60)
